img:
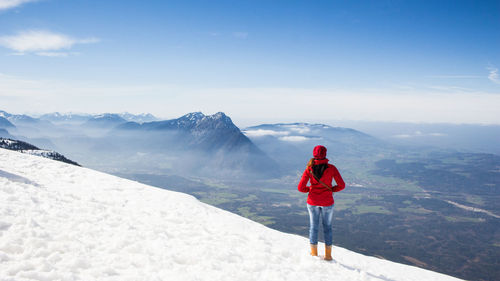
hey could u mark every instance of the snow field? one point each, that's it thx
(62, 222)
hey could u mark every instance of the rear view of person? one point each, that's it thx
(320, 198)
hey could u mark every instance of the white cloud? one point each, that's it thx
(41, 42)
(262, 133)
(450, 89)
(298, 129)
(53, 54)
(493, 76)
(294, 138)
(455, 76)
(402, 136)
(417, 134)
(9, 4)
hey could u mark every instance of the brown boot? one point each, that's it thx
(314, 250)
(328, 253)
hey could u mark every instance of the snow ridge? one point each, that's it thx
(25, 147)
(62, 222)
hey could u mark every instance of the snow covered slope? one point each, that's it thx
(62, 222)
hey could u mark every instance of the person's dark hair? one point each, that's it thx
(318, 170)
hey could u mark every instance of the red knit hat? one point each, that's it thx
(319, 152)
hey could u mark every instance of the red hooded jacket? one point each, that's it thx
(318, 194)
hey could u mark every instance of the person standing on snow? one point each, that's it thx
(320, 198)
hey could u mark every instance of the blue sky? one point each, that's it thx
(417, 61)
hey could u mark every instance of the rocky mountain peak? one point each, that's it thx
(193, 116)
(216, 121)
(4, 114)
(198, 121)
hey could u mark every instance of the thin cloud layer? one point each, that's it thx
(41, 42)
(295, 138)
(9, 4)
(418, 134)
(493, 76)
(263, 133)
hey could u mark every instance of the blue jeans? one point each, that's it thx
(326, 214)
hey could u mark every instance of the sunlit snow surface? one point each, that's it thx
(62, 222)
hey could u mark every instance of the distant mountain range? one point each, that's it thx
(27, 148)
(14, 118)
(200, 144)
(291, 144)
(141, 118)
(200, 131)
(194, 144)
(105, 120)
(57, 117)
(212, 142)
(300, 133)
